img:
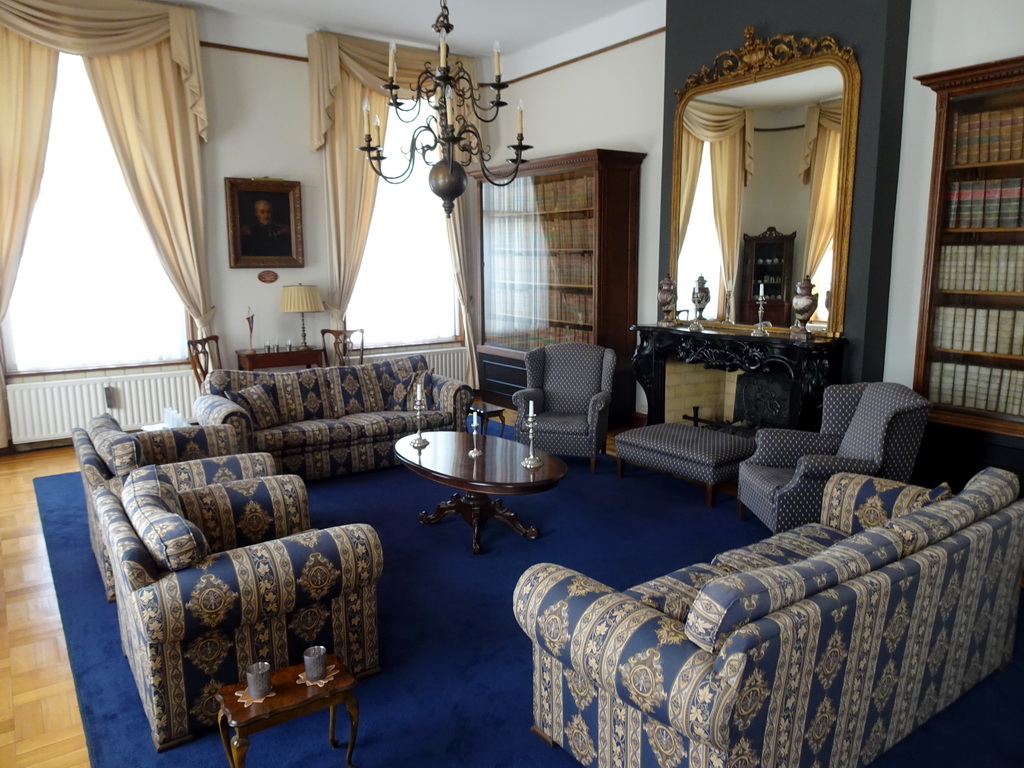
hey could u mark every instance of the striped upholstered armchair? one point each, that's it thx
(570, 386)
(213, 573)
(867, 428)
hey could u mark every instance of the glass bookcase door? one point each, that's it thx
(538, 247)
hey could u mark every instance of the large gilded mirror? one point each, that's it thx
(764, 143)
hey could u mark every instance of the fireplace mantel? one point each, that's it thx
(813, 363)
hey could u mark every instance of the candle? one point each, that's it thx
(497, 60)
(761, 291)
(444, 50)
(449, 106)
(376, 131)
(476, 420)
(391, 59)
(366, 116)
(531, 407)
(419, 391)
(519, 118)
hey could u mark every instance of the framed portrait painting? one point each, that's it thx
(264, 223)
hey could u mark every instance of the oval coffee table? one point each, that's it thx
(498, 469)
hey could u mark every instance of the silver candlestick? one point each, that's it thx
(419, 442)
(728, 308)
(759, 328)
(474, 451)
(532, 461)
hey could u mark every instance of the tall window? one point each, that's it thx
(701, 253)
(90, 290)
(405, 291)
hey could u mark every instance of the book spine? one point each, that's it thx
(969, 256)
(1004, 334)
(990, 208)
(1005, 134)
(1017, 134)
(959, 328)
(995, 382)
(959, 381)
(952, 204)
(1009, 203)
(980, 330)
(946, 384)
(971, 387)
(992, 330)
(968, 339)
(973, 136)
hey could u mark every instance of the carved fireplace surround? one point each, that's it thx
(812, 363)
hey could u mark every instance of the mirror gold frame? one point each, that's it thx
(763, 59)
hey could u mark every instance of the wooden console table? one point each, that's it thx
(250, 361)
(813, 364)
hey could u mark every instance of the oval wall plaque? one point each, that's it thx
(267, 276)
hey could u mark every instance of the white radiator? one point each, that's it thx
(450, 362)
(48, 410)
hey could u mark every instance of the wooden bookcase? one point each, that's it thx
(970, 348)
(768, 261)
(559, 250)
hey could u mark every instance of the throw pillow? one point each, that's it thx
(403, 396)
(120, 451)
(853, 503)
(260, 401)
(173, 542)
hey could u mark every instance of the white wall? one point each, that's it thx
(944, 34)
(776, 197)
(258, 107)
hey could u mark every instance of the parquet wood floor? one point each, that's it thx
(40, 725)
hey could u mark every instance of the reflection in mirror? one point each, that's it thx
(764, 144)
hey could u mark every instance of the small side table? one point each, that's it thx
(486, 411)
(250, 361)
(291, 700)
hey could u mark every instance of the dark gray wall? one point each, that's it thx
(877, 31)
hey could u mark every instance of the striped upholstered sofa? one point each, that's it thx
(107, 454)
(822, 645)
(212, 574)
(325, 422)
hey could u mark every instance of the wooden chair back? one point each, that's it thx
(204, 356)
(342, 345)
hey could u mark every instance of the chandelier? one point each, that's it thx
(456, 139)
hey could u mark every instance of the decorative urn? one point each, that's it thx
(701, 296)
(667, 298)
(804, 304)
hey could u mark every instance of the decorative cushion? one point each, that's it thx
(403, 396)
(674, 593)
(173, 542)
(729, 602)
(855, 502)
(260, 402)
(120, 451)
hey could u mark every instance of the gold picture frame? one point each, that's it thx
(264, 223)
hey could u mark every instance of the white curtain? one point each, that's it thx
(820, 168)
(143, 60)
(730, 131)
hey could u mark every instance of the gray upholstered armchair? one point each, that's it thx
(867, 428)
(570, 385)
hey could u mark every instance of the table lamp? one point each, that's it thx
(302, 299)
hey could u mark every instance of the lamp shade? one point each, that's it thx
(301, 298)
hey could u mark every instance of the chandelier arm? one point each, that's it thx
(377, 158)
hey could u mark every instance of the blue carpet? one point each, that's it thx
(455, 685)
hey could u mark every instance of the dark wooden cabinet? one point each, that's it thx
(767, 261)
(970, 347)
(559, 250)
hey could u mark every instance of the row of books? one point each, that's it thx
(527, 339)
(998, 331)
(984, 203)
(526, 235)
(981, 268)
(575, 268)
(543, 194)
(989, 136)
(553, 305)
(977, 386)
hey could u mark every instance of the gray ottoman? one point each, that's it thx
(705, 456)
